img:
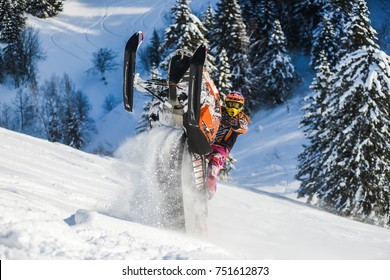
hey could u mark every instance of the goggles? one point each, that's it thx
(232, 104)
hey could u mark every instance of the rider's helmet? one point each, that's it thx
(234, 102)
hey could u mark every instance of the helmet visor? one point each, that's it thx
(232, 104)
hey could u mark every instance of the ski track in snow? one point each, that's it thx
(151, 20)
(87, 30)
(59, 46)
(101, 19)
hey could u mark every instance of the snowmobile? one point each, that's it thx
(186, 99)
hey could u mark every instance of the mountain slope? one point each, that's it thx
(60, 203)
(49, 203)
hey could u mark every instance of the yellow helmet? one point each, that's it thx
(234, 103)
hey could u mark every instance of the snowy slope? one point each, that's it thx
(60, 203)
(271, 147)
(56, 202)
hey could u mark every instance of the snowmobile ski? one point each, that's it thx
(197, 141)
(195, 85)
(129, 69)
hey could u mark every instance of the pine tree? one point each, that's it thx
(208, 23)
(153, 49)
(305, 17)
(314, 122)
(151, 54)
(324, 42)
(339, 13)
(73, 134)
(187, 32)
(21, 53)
(54, 132)
(263, 15)
(266, 17)
(355, 166)
(223, 76)
(277, 70)
(231, 35)
(12, 20)
(2, 66)
(359, 30)
(349, 171)
(251, 14)
(44, 8)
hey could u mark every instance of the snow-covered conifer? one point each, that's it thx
(324, 43)
(314, 122)
(208, 20)
(277, 70)
(12, 20)
(356, 164)
(360, 31)
(151, 54)
(2, 66)
(339, 14)
(265, 14)
(153, 49)
(252, 15)
(44, 8)
(187, 32)
(305, 17)
(73, 135)
(231, 35)
(208, 23)
(351, 154)
(346, 167)
(223, 75)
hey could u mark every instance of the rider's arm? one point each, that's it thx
(243, 121)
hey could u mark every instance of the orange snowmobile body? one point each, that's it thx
(210, 112)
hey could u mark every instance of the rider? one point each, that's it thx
(233, 123)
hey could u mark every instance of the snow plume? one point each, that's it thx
(149, 155)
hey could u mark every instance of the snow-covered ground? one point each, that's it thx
(60, 203)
